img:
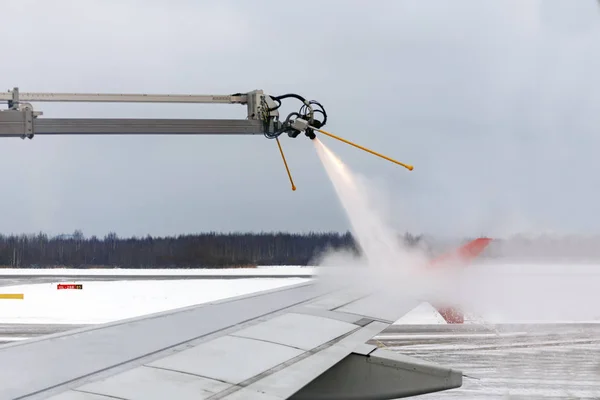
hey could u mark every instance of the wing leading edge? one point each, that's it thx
(306, 341)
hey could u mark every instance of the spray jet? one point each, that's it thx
(305, 120)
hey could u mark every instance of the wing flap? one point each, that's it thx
(226, 359)
(72, 395)
(291, 330)
(148, 383)
(387, 307)
(284, 382)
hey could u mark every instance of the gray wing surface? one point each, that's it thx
(305, 341)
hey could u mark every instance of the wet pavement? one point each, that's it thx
(11, 333)
(11, 280)
(517, 361)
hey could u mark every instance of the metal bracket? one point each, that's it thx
(28, 116)
(13, 103)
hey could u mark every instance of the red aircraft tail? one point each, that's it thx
(461, 256)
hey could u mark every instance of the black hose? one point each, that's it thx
(288, 95)
(306, 112)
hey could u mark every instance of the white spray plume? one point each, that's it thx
(386, 263)
(495, 292)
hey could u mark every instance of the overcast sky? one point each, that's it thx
(496, 103)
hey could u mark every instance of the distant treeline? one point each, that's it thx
(226, 250)
(209, 250)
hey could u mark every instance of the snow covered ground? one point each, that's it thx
(267, 270)
(102, 301)
(105, 301)
(492, 294)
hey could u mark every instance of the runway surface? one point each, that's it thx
(10, 333)
(534, 361)
(12, 281)
(8, 280)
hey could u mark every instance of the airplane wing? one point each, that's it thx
(306, 341)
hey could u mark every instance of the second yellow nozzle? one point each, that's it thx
(407, 166)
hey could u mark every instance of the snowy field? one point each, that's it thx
(267, 270)
(102, 301)
(493, 294)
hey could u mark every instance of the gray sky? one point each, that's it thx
(496, 103)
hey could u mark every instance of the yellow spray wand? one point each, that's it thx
(407, 166)
(285, 163)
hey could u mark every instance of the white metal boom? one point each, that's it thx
(123, 98)
(20, 119)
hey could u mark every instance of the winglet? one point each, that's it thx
(461, 256)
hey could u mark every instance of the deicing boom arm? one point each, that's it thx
(21, 120)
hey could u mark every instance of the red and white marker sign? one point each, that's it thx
(69, 286)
